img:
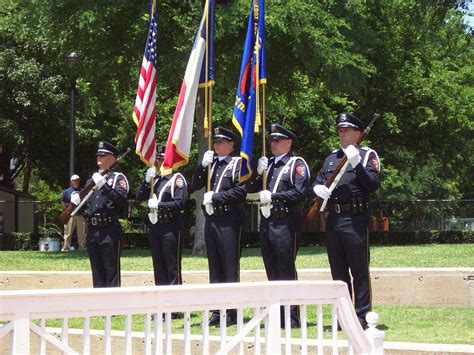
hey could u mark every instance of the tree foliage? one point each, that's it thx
(410, 60)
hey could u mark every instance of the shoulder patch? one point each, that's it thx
(179, 182)
(110, 182)
(375, 163)
(301, 170)
(123, 184)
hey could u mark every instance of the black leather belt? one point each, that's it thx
(354, 208)
(221, 209)
(101, 221)
(280, 210)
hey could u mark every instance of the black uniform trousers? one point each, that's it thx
(165, 246)
(222, 237)
(278, 243)
(103, 247)
(348, 248)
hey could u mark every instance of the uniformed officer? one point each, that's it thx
(224, 212)
(287, 184)
(348, 211)
(166, 208)
(106, 205)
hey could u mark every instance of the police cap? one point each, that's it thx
(278, 131)
(106, 148)
(345, 119)
(224, 133)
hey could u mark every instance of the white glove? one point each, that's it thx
(352, 154)
(265, 196)
(150, 174)
(99, 180)
(207, 158)
(266, 210)
(262, 165)
(322, 191)
(153, 202)
(207, 202)
(75, 198)
(208, 198)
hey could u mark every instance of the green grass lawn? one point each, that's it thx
(451, 325)
(426, 255)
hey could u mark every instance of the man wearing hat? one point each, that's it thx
(286, 187)
(76, 222)
(105, 206)
(348, 211)
(166, 208)
(224, 212)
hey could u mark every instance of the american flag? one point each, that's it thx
(144, 113)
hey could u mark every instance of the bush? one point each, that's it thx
(421, 237)
(135, 240)
(400, 238)
(19, 241)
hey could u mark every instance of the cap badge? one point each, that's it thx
(101, 145)
(343, 117)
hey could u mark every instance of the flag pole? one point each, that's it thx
(264, 129)
(207, 97)
(260, 119)
(152, 182)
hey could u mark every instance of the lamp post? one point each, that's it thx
(72, 59)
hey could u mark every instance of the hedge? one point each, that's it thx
(139, 240)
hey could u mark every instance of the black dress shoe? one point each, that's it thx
(214, 320)
(176, 315)
(230, 320)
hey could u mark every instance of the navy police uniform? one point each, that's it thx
(103, 209)
(288, 180)
(165, 236)
(348, 218)
(222, 229)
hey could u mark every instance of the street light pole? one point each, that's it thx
(72, 59)
(72, 127)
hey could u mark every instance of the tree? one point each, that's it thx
(409, 60)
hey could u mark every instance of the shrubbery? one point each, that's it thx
(139, 240)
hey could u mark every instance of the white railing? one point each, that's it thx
(257, 303)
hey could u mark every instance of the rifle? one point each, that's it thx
(86, 193)
(319, 203)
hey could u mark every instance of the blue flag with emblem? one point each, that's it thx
(246, 116)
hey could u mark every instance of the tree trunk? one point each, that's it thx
(27, 168)
(199, 247)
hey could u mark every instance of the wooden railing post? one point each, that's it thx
(20, 336)
(273, 345)
(375, 336)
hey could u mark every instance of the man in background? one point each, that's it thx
(76, 222)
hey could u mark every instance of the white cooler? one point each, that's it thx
(49, 244)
